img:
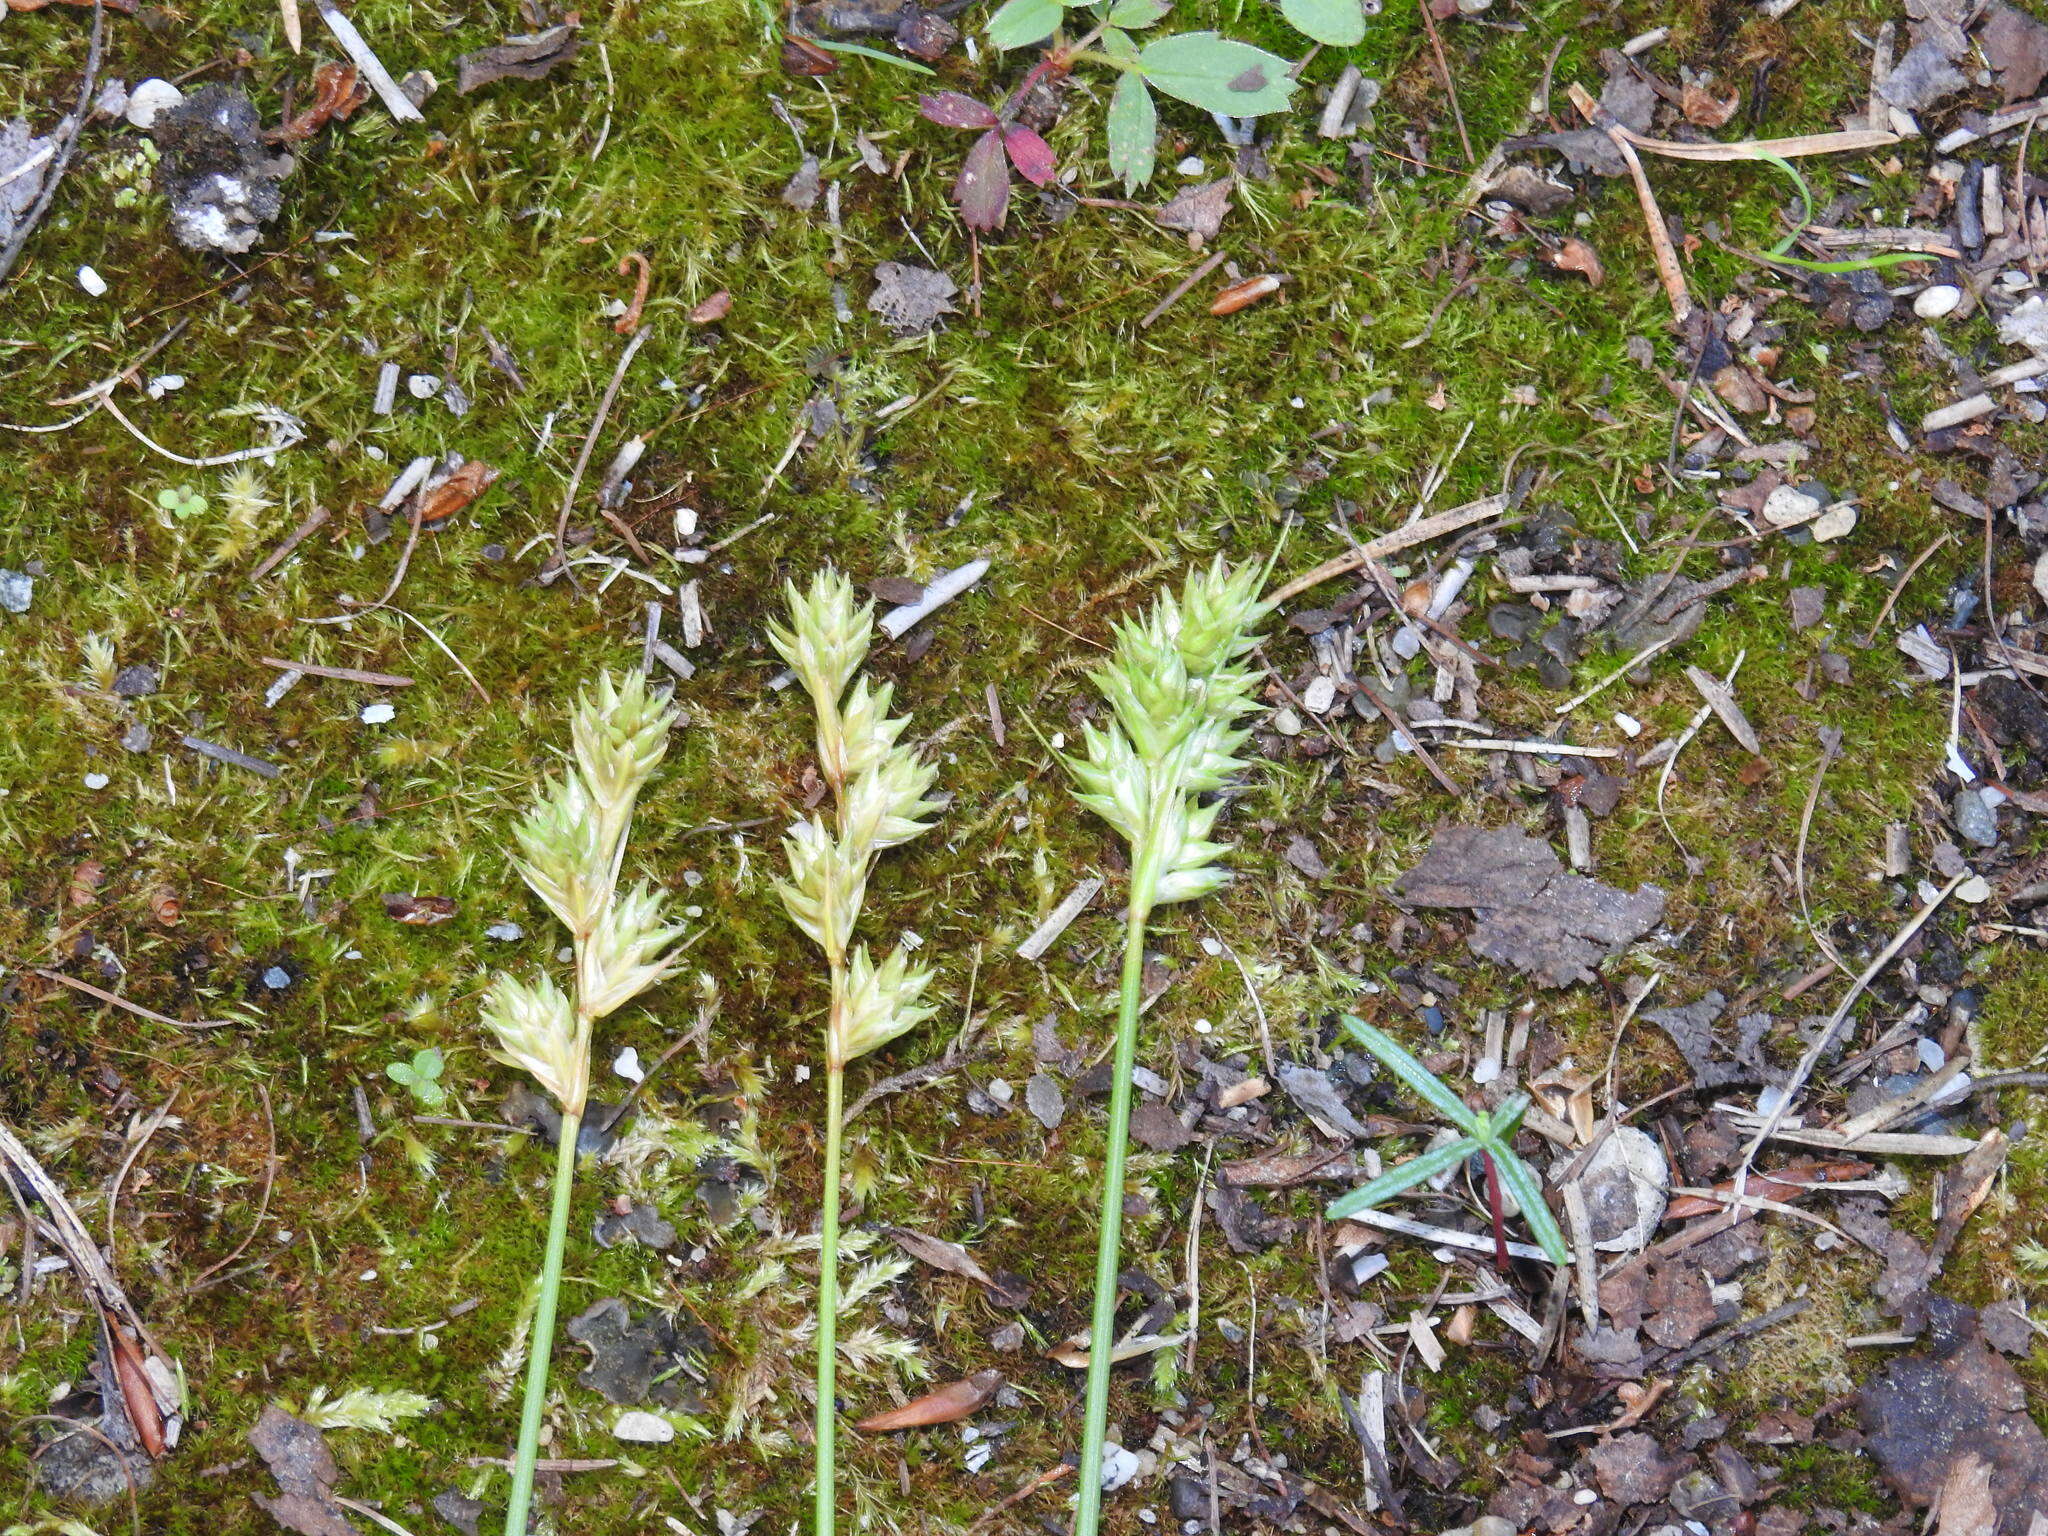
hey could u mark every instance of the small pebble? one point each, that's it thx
(96, 781)
(148, 99)
(1936, 300)
(627, 1065)
(136, 682)
(1320, 694)
(163, 384)
(1286, 722)
(642, 1428)
(92, 282)
(423, 386)
(505, 932)
(1973, 818)
(1630, 725)
(135, 738)
(277, 978)
(378, 714)
(16, 590)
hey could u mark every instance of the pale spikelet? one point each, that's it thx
(535, 1027)
(97, 654)
(365, 1408)
(628, 953)
(1176, 688)
(564, 856)
(824, 889)
(620, 733)
(885, 806)
(242, 504)
(878, 1003)
(827, 638)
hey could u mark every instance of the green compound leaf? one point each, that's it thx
(1400, 1177)
(1133, 126)
(1019, 23)
(1217, 74)
(1336, 23)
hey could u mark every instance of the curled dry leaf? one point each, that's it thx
(1577, 256)
(531, 56)
(1241, 295)
(944, 1405)
(801, 56)
(456, 492)
(85, 880)
(1703, 111)
(419, 911)
(337, 92)
(136, 1395)
(629, 322)
(166, 907)
(940, 1254)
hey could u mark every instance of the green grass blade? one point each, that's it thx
(1425, 1084)
(1404, 1176)
(871, 53)
(1521, 1183)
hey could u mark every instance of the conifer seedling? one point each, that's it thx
(878, 788)
(1177, 685)
(1488, 1133)
(571, 845)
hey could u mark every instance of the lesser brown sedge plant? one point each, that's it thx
(878, 788)
(571, 845)
(1176, 685)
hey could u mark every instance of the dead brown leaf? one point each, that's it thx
(456, 492)
(939, 1254)
(1575, 255)
(530, 56)
(1703, 111)
(944, 1405)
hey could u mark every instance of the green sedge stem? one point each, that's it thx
(1102, 1327)
(543, 1337)
(826, 1431)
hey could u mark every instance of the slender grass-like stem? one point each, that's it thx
(543, 1335)
(826, 1422)
(1109, 1244)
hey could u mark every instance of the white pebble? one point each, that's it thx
(150, 98)
(378, 714)
(1936, 300)
(1319, 695)
(1629, 724)
(627, 1065)
(1191, 166)
(92, 282)
(423, 386)
(96, 781)
(164, 383)
(643, 1428)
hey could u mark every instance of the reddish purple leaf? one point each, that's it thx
(983, 190)
(1029, 153)
(950, 109)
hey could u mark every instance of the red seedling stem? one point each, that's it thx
(1493, 1207)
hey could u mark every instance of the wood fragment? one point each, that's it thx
(1059, 919)
(1244, 294)
(1721, 699)
(1955, 415)
(340, 674)
(372, 69)
(117, 1001)
(900, 620)
(1421, 531)
(1470, 1242)
(230, 756)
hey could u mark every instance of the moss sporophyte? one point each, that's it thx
(571, 845)
(878, 787)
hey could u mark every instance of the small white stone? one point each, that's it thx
(1212, 947)
(1320, 694)
(1001, 1091)
(164, 383)
(1191, 166)
(1837, 522)
(148, 99)
(423, 386)
(643, 1428)
(96, 781)
(378, 714)
(92, 282)
(627, 1065)
(1936, 300)
(1974, 890)
(1629, 724)
(1786, 507)
(1288, 723)
(505, 931)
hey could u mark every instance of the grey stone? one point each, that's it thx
(1975, 820)
(16, 591)
(136, 682)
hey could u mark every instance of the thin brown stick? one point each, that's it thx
(1421, 531)
(1443, 68)
(1451, 786)
(340, 674)
(67, 145)
(292, 541)
(1892, 598)
(115, 1000)
(262, 1204)
(1181, 290)
(604, 408)
(1669, 273)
